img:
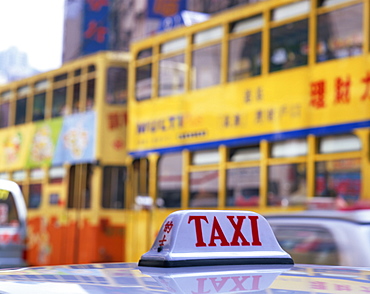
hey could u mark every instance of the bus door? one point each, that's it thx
(141, 213)
(77, 239)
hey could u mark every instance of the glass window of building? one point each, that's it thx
(116, 85)
(340, 33)
(144, 82)
(204, 189)
(287, 184)
(169, 180)
(339, 178)
(113, 194)
(39, 101)
(59, 103)
(243, 186)
(289, 45)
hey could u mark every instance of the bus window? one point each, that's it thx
(169, 180)
(4, 114)
(79, 195)
(245, 57)
(90, 100)
(289, 45)
(76, 98)
(243, 186)
(144, 81)
(206, 66)
(39, 101)
(339, 178)
(113, 194)
(141, 177)
(245, 52)
(59, 102)
(172, 73)
(20, 111)
(35, 194)
(204, 189)
(340, 33)
(116, 85)
(286, 184)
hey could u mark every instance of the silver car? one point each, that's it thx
(325, 236)
(13, 225)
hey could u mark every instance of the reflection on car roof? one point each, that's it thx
(361, 216)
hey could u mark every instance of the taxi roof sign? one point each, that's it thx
(214, 237)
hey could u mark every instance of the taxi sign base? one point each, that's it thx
(208, 262)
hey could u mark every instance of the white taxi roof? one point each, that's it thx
(240, 246)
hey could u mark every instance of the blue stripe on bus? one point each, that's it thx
(319, 131)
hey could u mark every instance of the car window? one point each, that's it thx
(309, 245)
(8, 209)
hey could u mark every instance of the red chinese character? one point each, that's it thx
(318, 94)
(342, 288)
(366, 81)
(96, 5)
(161, 242)
(95, 32)
(166, 7)
(318, 285)
(168, 227)
(342, 90)
(113, 121)
(365, 289)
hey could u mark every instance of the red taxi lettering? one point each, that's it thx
(222, 284)
(198, 228)
(218, 234)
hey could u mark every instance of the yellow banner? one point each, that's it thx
(335, 93)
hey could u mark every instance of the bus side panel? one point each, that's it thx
(111, 240)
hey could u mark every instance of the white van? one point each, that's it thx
(13, 225)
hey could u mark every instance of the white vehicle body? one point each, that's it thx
(13, 225)
(337, 237)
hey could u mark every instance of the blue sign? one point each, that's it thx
(165, 8)
(95, 26)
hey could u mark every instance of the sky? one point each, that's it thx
(34, 27)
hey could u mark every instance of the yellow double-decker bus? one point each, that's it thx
(63, 139)
(261, 107)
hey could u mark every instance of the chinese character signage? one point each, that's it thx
(95, 26)
(165, 8)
